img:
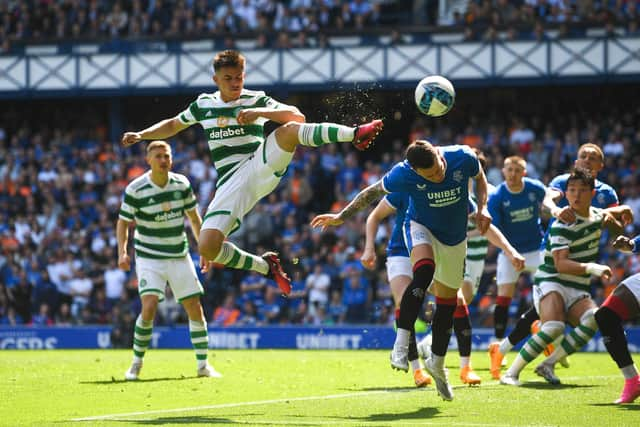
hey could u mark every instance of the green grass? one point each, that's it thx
(293, 387)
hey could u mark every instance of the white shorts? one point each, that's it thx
(180, 274)
(569, 295)
(507, 274)
(633, 284)
(258, 176)
(449, 259)
(399, 266)
(473, 273)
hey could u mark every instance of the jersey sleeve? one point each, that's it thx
(558, 237)
(191, 114)
(128, 206)
(472, 164)
(393, 180)
(558, 183)
(493, 204)
(636, 244)
(189, 198)
(611, 197)
(540, 189)
(395, 200)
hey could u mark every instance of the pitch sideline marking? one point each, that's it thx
(282, 400)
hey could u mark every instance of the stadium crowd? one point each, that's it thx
(288, 23)
(60, 193)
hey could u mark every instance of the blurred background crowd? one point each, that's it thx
(302, 23)
(61, 185)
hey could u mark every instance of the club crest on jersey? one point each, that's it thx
(223, 121)
(177, 195)
(532, 197)
(457, 176)
(600, 198)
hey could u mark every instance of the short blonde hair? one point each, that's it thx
(517, 160)
(157, 144)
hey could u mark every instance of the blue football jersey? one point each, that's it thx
(440, 207)
(517, 215)
(396, 245)
(605, 196)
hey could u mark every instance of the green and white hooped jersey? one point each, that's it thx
(477, 246)
(230, 144)
(159, 215)
(582, 239)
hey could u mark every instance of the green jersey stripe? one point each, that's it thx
(162, 233)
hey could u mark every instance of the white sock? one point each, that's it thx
(629, 372)
(402, 338)
(505, 346)
(415, 364)
(464, 361)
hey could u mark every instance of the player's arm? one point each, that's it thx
(627, 244)
(495, 236)
(162, 130)
(283, 113)
(622, 213)
(196, 222)
(564, 265)
(380, 212)
(483, 218)
(549, 206)
(361, 201)
(122, 236)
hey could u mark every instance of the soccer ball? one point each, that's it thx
(435, 96)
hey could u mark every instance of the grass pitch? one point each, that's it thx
(293, 387)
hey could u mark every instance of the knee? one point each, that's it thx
(423, 271)
(193, 308)
(553, 328)
(209, 245)
(588, 319)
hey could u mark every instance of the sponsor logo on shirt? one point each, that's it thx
(167, 216)
(226, 133)
(439, 199)
(522, 215)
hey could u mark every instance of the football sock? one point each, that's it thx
(462, 328)
(413, 348)
(317, 134)
(233, 257)
(615, 340)
(501, 315)
(464, 361)
(522, 328)
(549, 331)
(577, 338)
(199, 340)
(141, 337)
(413, 296)
(415, 364)
(442, 324)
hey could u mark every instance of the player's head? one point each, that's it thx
(514, 169)
(228, 73)
(159, 156)
(590, 157)
(426, 160)
(580, 188)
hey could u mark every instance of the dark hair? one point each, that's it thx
(582, 175)
(228, 58)
(421, 154)
(481, 158)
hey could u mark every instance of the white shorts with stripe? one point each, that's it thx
(449, 259)
(633, 284)
(506, 274)
(569, 295)
(473, 273)
(399, 266)
(258, 176)
(180, 274)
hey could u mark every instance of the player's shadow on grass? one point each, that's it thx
(546, 386)
(626, 407)
(418, 414)
(398, 388)
(114, 380)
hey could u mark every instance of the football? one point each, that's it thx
(435, 96)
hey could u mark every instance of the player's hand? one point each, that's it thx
(368, 258)
(124, 262)
(566, 215)
(247, 116)
(326, 220)
(598, 270)
(130, 138)
(626, 216)
(483, 220)
(517, 261)
(623, 243)
(205, 265)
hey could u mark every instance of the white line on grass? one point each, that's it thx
(300, 399)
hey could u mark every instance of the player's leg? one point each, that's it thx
(462, 329)
(622, 305)
(152, 280)
(582, 307)
(224, 215)
(291, 134)
(187, 289)
(521, 330)
(399, 276)
(551, 306)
